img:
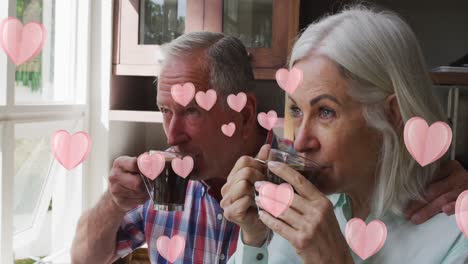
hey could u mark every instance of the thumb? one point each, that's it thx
(264, 151)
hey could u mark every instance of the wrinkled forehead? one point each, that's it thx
(180, 71)
(320, 75)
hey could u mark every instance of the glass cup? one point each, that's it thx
(168, 190)
(304, 166)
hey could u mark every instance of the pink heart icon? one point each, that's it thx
(289, 80)
(268, 120)
(426, 144)
(182, 167)
(275, 199)
(229, 129)
(206, 100)
(183, 94)
(21, 43)
(237, 102)
(170, 248)
(151, 165)
(70, 150)
(365, 240)
(461, 212)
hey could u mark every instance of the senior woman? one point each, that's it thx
(364, 76)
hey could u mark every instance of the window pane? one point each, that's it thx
(161, 20)
(3, 58)
(33, 160)
(250, 21)
(35, 172)
(49, 78)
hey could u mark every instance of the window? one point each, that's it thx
(40, 200)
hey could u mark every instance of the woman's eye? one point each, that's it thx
(326, 113)
(295, 111)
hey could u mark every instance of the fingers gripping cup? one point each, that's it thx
(167, 190)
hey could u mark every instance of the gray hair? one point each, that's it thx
(379, 55)
(227, 60)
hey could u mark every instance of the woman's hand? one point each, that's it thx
(441, 194)
(238, 197)
(309, 224)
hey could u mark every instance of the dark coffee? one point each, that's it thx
(310, 173)
(169, 189)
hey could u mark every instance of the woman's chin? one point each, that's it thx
(325, 187)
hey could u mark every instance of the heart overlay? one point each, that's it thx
(70, 150)
(183, 94)
(21, 43)
(267, 120)
(182, 167)
(461, 212)
(206, 100)
(426, 144)
(289, 80)
(171, 248)
(365, 240)
(228, 129)
(275, 199)
(237, 102)
(151, 165)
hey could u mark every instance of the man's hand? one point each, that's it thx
(238, 197)
(126, 186)
(441, 194)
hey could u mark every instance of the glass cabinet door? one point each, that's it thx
(250, 21)
(266, 27)
(161, 21)
(142, 26)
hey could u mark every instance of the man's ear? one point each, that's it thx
(393, 112)
(249, 115)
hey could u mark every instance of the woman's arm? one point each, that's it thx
(246, 254)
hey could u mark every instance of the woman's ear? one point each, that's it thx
(393, 111)
(249, 115)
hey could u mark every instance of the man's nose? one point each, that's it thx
(306, 139)
(176, 133)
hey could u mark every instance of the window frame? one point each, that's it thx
(11, 114)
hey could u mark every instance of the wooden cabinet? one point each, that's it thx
(267, 27)
(141, 26)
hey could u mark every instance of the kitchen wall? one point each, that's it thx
(441, 26)
(442, 30)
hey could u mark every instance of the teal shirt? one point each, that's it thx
(438, 240)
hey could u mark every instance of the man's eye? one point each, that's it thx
(164, 110)
(192, 110)
(326, 113)
(295, 111)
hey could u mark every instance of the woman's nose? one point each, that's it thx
(305, 139)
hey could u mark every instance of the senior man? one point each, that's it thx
(123, 219)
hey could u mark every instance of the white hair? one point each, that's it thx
(379, 55)
(225, 57)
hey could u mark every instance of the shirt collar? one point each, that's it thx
(213, 188)
(337, 199)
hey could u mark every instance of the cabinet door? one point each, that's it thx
(266, 27)
(142, 26)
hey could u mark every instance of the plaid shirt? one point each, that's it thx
(209, 237)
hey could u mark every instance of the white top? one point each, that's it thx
(438, 240)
